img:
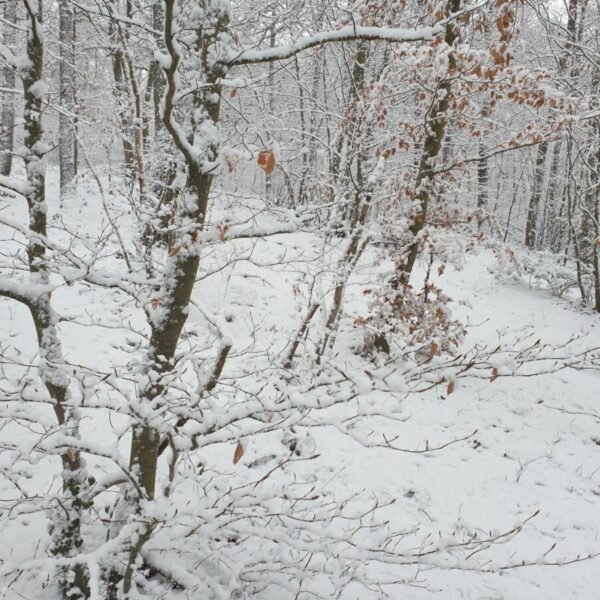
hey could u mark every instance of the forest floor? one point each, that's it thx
(532, 444)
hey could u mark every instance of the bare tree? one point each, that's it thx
(36, 294)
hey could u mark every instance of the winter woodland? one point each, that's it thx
(300, 299)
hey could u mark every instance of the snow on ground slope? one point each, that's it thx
(536, 450)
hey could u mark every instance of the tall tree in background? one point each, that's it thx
(122, 85)
(563, 220)
(66, 129)
(565, 64)
(7, 124)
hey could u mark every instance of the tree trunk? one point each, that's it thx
(550, 231)
(531, 226)
(271, 108)
(435, 125)
(565, 67)
(121, 94)
(596, 253)
(482, 168)
(354, 217)
(181, 267)
(593, 209)
(66, 127)
(66, 520)
(7, 126)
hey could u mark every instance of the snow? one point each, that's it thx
(472, 465)
(39, 89)
(163, 59)
(347, 33)
(14, 184)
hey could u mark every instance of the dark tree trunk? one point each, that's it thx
(66, 529)
(435, 125)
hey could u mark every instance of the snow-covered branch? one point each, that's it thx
(345, 34)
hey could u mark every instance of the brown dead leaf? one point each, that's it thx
(239, 452)
(71, 456)
(494, 374)
(266, 161)
(450, 387)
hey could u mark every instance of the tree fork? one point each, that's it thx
(182, 266)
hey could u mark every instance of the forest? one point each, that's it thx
(299, 299)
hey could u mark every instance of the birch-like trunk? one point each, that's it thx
(551, 234)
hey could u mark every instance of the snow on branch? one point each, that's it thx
(110, 14)
(14, 185)
(349, 33)
(26, 293)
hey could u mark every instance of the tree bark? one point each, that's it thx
(435, 127)
(269, 193)
(531, 226)
(7, 125)
(65, 528)
(482, 167)
(182, 265)
(121, 94)
(66, 127)
(550, 235)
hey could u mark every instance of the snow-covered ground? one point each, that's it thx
(537, 448)
(526, 473)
